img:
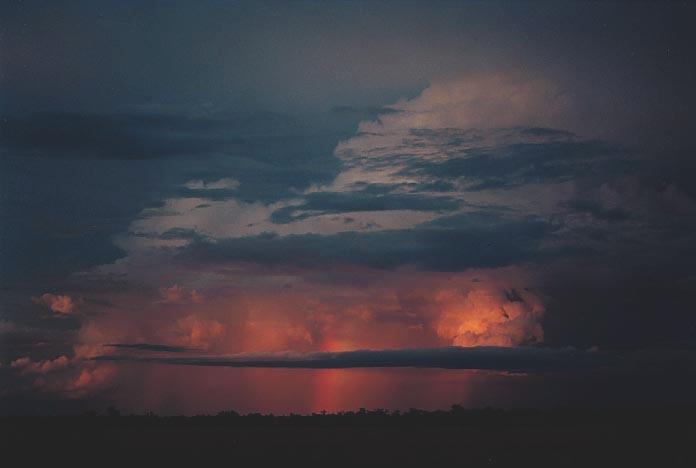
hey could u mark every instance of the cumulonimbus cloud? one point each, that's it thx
(479, 101)
(490, 317)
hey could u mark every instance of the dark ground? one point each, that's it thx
(456, 438)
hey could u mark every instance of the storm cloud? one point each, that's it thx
(320, 186)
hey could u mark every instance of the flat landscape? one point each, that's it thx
(365, 438)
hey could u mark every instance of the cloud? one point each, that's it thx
(486, 317)
(177, 294)
(226, 183)
(515, 164)
(59, 303)
(521, 359)
(381, 252)
(199, 332)
(91, 379)
(250, 307)
(322, 203)
(449, 244)
(426, 185)
(183, 220)
(480, 101)
(323, 268)
(26, 365)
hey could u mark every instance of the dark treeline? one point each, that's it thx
(457, 414)
(457, 437)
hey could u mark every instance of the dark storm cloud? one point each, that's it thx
(208, 194)
(519, 359)
(115, 110)
(507, 166)
(180, 233)
(453, 243)
(139, 95)
(361, 200)
(140, 135)
(19, 339)
(173, 234)
(71, 181)
(523, 359)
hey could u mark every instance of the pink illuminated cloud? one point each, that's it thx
(59, 303)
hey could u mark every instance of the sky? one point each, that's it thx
(304, 206)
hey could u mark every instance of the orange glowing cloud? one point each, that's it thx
(382, 310)
(199, 332)
(276, 335)
(176, 294)
(92, 378)
(489, 317)
(299, 312)
(26, 365)
(58, 303)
